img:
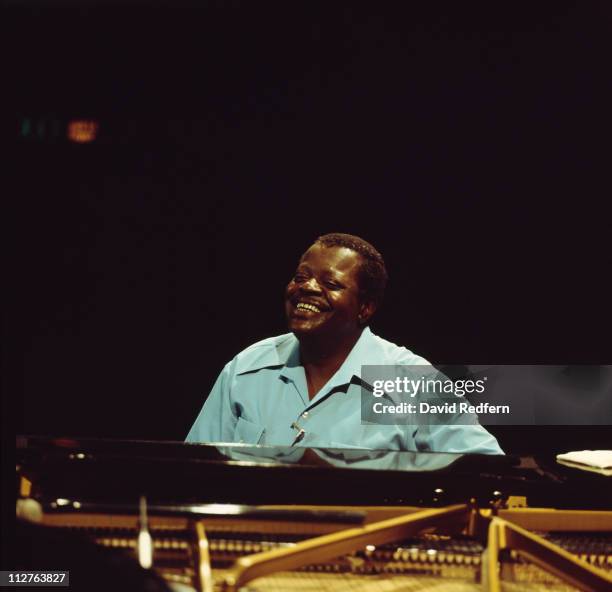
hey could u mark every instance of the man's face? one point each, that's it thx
(323, 297)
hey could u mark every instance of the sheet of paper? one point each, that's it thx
(600, 459)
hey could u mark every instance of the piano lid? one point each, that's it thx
(175, 472)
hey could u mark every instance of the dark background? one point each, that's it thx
(469, 142)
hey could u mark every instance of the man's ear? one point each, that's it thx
(366, 311)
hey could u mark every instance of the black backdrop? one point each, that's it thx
(470, 143)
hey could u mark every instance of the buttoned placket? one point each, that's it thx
(297, 376)
(299, 422)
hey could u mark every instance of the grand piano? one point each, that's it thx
(230, 517)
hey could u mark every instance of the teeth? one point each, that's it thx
(305, 306)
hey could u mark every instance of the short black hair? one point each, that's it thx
(373, 273)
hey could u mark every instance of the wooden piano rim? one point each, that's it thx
(530, 518)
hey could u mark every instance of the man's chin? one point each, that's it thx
(304, 329)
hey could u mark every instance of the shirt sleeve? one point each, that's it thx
(456, 438)
(454, 432)
(216, 421)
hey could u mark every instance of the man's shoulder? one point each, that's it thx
(388, 353)
(272, 351)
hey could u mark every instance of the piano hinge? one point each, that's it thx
(516, 501)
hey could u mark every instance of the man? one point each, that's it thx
(304, 388)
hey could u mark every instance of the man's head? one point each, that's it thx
(338, 285)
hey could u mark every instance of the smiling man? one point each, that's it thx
(304, 388)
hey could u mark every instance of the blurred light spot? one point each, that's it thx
(82, 131)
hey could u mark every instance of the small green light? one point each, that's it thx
(26, 127)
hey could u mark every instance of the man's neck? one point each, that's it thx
(322, 359)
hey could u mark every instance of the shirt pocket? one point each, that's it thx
(247, 432)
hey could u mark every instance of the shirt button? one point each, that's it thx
(305, 415)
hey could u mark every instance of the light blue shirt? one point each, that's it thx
(263, 391)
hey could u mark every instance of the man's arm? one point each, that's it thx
(216, 421)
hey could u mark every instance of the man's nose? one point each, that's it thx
(310, 285)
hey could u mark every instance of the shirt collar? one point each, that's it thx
(285, 353)
(358, 356)
(274, 353)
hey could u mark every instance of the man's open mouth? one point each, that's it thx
(307, 306)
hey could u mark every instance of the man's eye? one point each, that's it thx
(333, 286)
(299, 277)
